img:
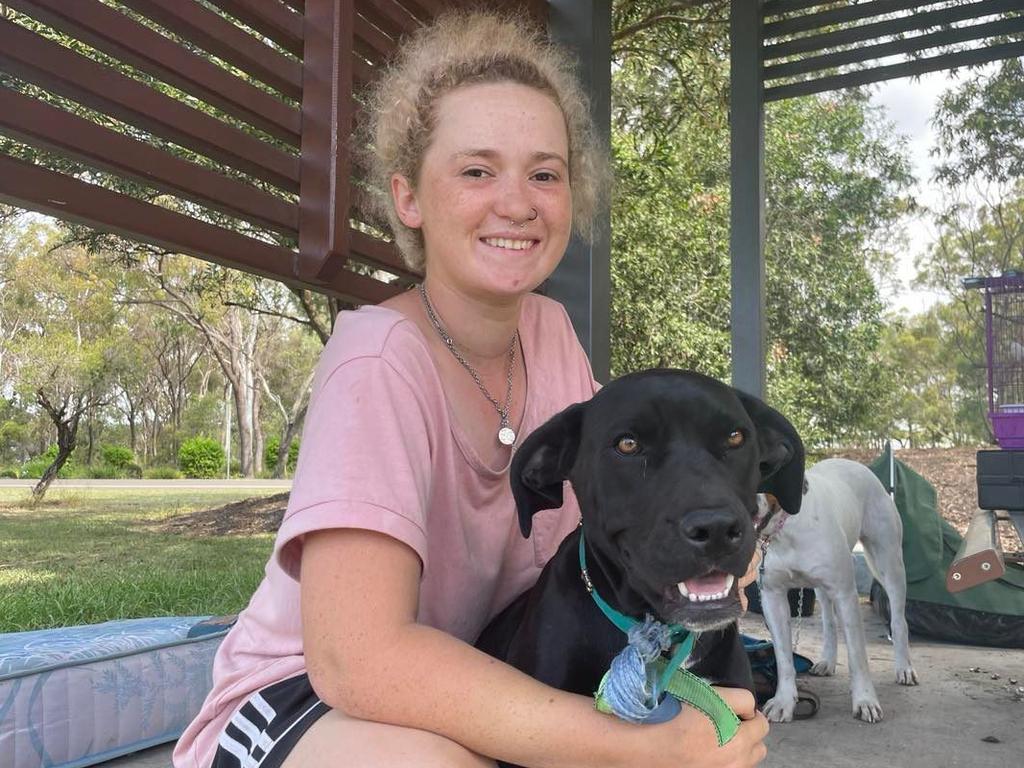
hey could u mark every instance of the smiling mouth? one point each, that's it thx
(508, 243)
(708, 588)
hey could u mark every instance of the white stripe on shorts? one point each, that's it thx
(237, 750)
(257, 737)
(263, 707)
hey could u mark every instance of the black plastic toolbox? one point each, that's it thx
(1001, 480)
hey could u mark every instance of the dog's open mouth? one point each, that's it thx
(703, 602)
(710, 587)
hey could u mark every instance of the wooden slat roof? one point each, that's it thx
(235, 107)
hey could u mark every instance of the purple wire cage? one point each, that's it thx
(1004, 356)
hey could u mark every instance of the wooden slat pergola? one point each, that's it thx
(251, 146)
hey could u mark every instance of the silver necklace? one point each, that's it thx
(506, 435)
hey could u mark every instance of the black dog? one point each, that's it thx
(666, 466)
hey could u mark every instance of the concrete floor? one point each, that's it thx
(956, 717)
(156, 757)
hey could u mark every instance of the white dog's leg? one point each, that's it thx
(883, 545)
(829, 651)
(865, 701)
(888, 564)
(896, 589)
(775, 606)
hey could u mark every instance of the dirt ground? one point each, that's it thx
(260, 514)
(950, 470)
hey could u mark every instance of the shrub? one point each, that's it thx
(270, 454)
(102, 472)
(118, 457)
(13, 437)
(8, 473)
(161, 473)
(34, 467)
(201, 457)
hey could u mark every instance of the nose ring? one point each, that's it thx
(522, 224)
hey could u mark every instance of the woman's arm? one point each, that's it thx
(367, 657)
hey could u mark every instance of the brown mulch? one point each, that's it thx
(950, 470)
(261, 514)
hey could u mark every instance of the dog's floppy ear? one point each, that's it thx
(542, 464)
(782, 454)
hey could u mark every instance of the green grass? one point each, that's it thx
(90, 555)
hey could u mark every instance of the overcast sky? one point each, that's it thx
(910, 104)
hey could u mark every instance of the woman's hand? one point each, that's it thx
(749, 577)
(689, 740)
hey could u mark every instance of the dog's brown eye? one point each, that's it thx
(627, 445)
(736, 439)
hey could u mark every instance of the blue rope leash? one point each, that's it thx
(635, 685)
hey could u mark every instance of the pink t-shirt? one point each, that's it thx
(381, 451)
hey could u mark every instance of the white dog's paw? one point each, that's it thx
(906, 676)
(823, 668)
(867, 709)
(779, 709)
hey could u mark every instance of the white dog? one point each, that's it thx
(844, 502)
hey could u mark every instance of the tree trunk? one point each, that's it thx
(131, 433)
(243, 389)
(67, 434)
(291, 419)
(50, 473)
(257, 438)
(92, 443)
(291, 430)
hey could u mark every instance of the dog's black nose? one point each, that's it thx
(712, 531)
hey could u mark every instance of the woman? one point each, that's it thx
(400, 539)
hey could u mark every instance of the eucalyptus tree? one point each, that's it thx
(66, 352)
(836, 186)
(980, 222)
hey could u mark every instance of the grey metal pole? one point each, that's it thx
(746, 242)
(582, 281)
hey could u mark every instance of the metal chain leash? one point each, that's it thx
(760, 594)
(799, 618)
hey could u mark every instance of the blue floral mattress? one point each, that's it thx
(77, 696)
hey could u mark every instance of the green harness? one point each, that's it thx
(682, 685)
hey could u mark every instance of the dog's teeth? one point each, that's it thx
(728, 584)
(702, 598)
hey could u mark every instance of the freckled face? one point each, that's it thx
(499, 152)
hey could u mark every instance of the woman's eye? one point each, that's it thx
(627, 445)
(545, 176)
(736, 439)
(476, 173)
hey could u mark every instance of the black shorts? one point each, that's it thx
(268, 725)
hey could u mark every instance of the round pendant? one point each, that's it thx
(506, 436)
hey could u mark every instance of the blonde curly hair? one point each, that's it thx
(469, 48)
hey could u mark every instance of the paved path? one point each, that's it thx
(240, 484)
